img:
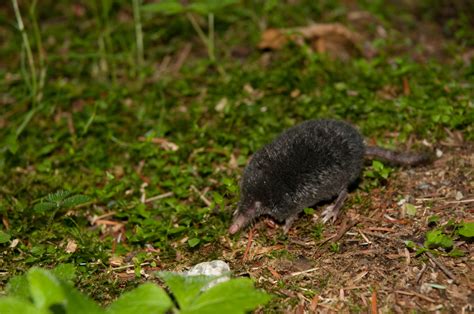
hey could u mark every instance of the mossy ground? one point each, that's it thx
(182, 126)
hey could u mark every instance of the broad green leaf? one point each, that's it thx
(168, 7)
(44, 207)
(466, 230)
(78, 303)
(436, 238)
(233, 296)
(4, 237)
(185, 288)
(65, 272)
(18, 286)
(11, 305)
(75, 200)
(45, 289)
(148, 298)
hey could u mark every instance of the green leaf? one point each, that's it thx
(466, 230)
(45, 289)
(65, 272)
(433, 220)
(436, 238)
(410, 209)
(78, 303)
(185, 288)
(308, 211)
(11, 305)
(44, 207)
(75, 200)
(233, 296)
(18, 286)
(168, 7)
(4, 237)
(193, 242)
(58, 196)
(456, 253)
(377, 165)
(148, 298)
(205, 7)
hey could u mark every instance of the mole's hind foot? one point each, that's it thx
(288, 223)
(332, 211)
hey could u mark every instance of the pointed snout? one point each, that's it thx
(238, 223)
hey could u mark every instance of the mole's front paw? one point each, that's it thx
(330, 213)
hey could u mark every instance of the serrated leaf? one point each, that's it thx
(65, 272)
(58, 196)
(148, 298)
(18, 286)
(467, 230)
(168, 7)
(78, 303)
(11, 305)
(235, 296)
(4, 237)
(44, 207)
(75, 200)
(45, 289)
(185, 288)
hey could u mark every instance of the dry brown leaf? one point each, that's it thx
(332, 38)
(71, 246)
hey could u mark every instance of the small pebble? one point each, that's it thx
(213, 268)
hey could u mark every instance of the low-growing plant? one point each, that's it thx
(441, 238)
(42, 291)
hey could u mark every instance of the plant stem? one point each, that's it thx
(29, 54)
(138, 32)
(202, 36)
(210, 39)
(41, 56)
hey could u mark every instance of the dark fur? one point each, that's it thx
(306, 164)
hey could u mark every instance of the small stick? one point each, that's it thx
(446, 271)
(201, 196)
(416, 294)
(303, 272)
(374, 302)
(249, 244)
(418, 277)
(344, 230)
(158, 197)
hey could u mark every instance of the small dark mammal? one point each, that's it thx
(314, 161)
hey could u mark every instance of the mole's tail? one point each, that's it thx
(397, 158)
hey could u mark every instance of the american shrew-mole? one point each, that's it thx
(314, 161)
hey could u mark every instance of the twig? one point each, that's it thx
(303, 272)
(249, 244)
(423, 269)
(416, 294)
(344, 230)
(374, 302)
(446, 271)
(461, 201)
(158, 197)
(201, 196)
(129, 266)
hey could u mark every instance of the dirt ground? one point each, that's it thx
(373, 267)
